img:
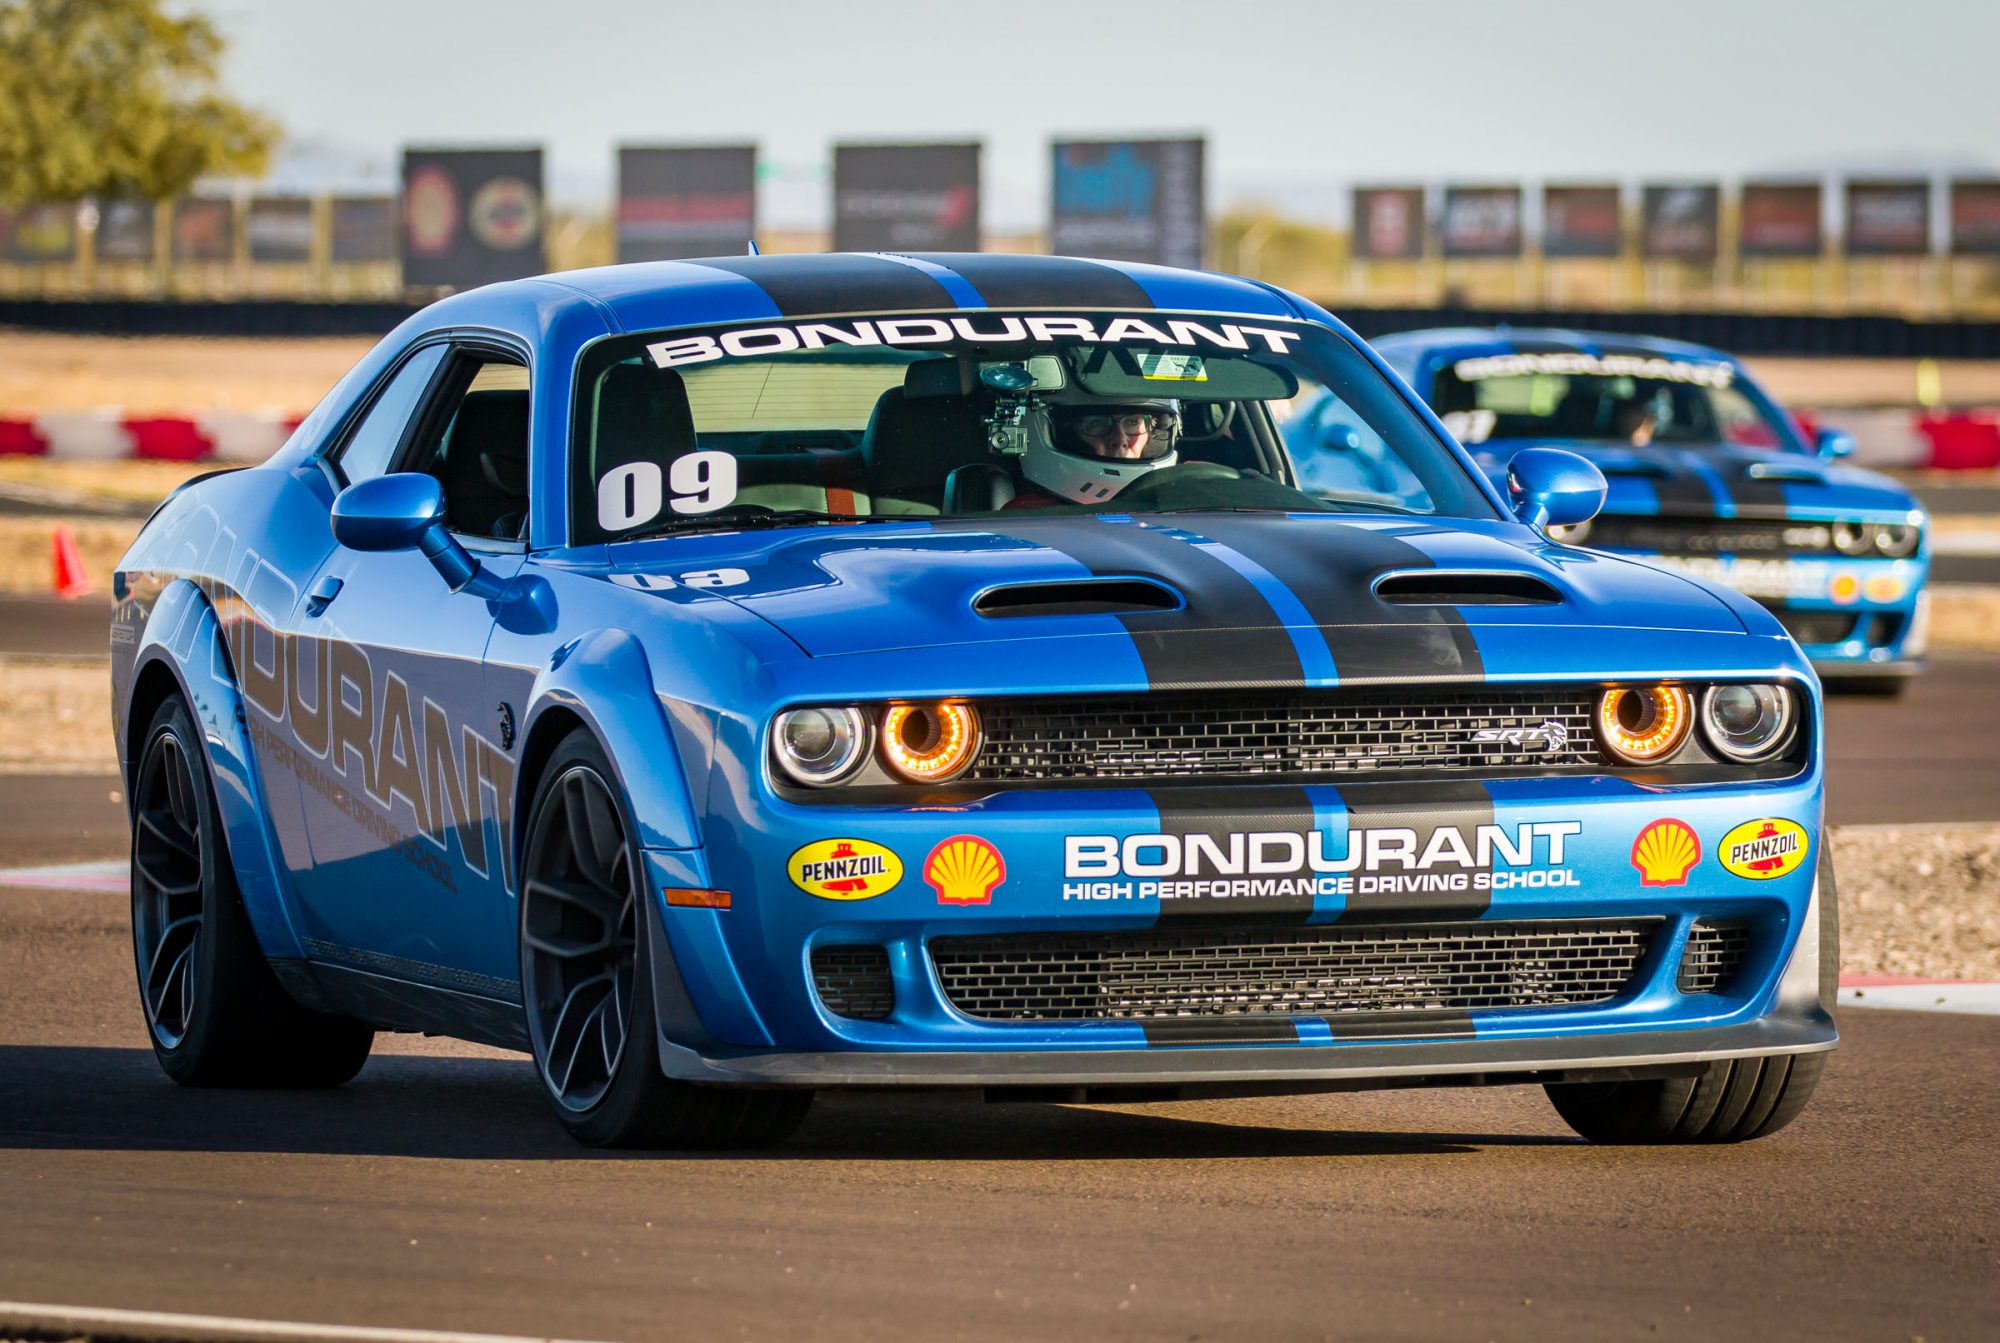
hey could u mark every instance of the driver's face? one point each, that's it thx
(1117, 435)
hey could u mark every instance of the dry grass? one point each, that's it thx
(27, 554)
(55, 719)
(42, 371)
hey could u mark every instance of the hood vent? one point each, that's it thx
(1803, 472)
(1432, 587)
(1077, 597)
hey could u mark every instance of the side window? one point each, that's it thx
(474, 439)
(368, 449)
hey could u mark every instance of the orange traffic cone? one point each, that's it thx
(71, 580)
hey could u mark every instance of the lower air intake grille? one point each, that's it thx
(1262, 970)
(854, 981)
(1817, 627)
(1714, 954)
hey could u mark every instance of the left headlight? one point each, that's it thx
(1898, 540)
(1644, 724)
(1748, 722)
(820, 746)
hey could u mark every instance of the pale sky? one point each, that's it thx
(1299, 100)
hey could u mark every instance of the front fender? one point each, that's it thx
(183, 635)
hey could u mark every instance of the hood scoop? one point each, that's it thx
(1801, 472)
(1436, 587)
(1077, 597)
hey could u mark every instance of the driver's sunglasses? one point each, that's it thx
(1100, 426)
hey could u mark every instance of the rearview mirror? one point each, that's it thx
(402, 511)
(1552, 488)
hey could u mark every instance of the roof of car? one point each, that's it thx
(652, 295)
(1459, 341)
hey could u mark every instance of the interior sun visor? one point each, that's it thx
(1121, 371)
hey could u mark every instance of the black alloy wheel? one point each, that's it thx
(215, 1012)
(586, 979)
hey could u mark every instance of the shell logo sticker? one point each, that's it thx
(844, 869)
(1665, 852)
(965, 870)
(1761, 850)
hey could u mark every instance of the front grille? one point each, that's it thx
(1488, 731)
(1713, 956)
(1697, 537)
(854, 981)
(1262, 970)
(1816, 627)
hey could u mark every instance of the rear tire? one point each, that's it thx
(1733, 1100)
(215, 1013)
(587, 986)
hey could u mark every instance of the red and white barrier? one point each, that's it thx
(112, 435)
(1958, 440)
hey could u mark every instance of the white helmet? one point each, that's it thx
(1081, 451)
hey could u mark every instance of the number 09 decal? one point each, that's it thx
(632, 495)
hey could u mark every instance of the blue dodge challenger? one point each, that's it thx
(728, 680)
(1708, 475)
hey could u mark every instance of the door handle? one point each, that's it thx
(322, 595)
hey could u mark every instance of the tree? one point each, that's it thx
(114, 98)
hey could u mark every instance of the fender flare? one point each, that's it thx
(184, 635)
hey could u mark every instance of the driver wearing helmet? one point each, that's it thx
(1085, 453)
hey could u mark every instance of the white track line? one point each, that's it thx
(46, 1318)
(1973, 999)
(114, 876)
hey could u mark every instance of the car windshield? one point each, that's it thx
(965, 414)
(1633, 400)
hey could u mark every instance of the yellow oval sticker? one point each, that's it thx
(1763, 849)
(844, 869)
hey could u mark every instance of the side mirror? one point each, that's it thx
(1833, 444)
(403, 511)
(1553, 488)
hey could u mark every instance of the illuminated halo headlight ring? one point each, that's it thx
(1643, 725)
(929, 743)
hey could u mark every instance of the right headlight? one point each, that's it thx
(1853, 538)
(820, 745)
(1748, 722)
(1643, 725)
(1898, 540)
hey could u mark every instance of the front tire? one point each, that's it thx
(215, 1013)
(586, 979)
(1733, 1100)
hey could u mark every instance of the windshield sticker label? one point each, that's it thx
(748, 342)
(1595, 366)
(1157, 367)
(634, 494)
(1392, 860)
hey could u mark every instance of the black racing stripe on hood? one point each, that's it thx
(1331, 569)
(1220, 812)
(807, 286)
(1182, 650)
(1221, 1031)
(1044, 282)
(1464, 803)
(1752, 495)
(1678, 487)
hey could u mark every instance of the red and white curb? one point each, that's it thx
(111, 435)
(1907, 995)
(38, 1317)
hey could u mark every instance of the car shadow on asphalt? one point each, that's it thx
(76, 1098)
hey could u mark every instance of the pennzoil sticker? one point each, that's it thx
(844, 869)
(1763, 849)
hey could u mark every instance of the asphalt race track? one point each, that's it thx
(437, 1193)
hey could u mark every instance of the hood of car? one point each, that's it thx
(1379, 593)
(1725, 480)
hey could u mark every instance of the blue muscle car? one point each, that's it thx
(728, 680)
(1708, 475)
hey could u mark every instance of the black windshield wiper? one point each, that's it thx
(748, 522)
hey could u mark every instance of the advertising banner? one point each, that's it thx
(1975, 217)
(1780, 219)
(363, 228)
(1128, 200)
(906, 198)
(1388, 223)
(1480, 221)
(40, 233)
(1679, 223)
(279, 229)
(686, 201)
(125, 231)
(1581, 221)
(471, 216)
(1888, 218)
(204, 229)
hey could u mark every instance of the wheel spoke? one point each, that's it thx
(183, 843)
(572, 1028)
(173, 984)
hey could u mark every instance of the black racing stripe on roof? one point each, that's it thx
(807, 286)
(1220, 812)
(1332, 569)
(1044, 281)
(1465, 803)
(1227, 636)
